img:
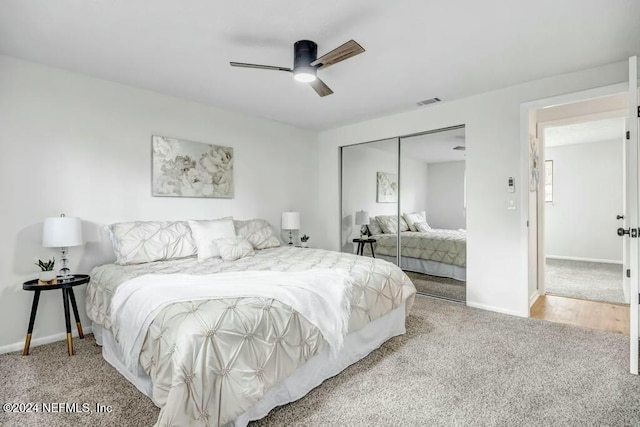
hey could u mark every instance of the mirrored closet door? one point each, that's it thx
(433, 244)
(369, 200)
(404, 200)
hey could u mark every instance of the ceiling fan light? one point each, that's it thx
(304, 74)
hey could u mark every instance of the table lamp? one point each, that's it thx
(362, 219)
(290, 221)
(62, 232)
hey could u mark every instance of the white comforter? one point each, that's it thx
(321, 296)
(211, 360)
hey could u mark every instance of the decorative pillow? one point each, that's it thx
(414, 217)
(234, 248)
(389, 223)
(422, 226)
(206, 231)
(374, 227)
(147, 241)
(258, 232)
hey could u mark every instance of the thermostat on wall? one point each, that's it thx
(511, 185)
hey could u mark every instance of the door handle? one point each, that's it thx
(619, 216)
(622, 231)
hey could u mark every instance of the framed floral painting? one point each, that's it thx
(191, 169)
(387, 187)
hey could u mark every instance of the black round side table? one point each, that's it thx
(67, 294)
(361, 243)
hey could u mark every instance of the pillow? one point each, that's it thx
(422, 226)
(374, 227)
(147, 241)
(389, 223)
(414, 217)
(258, 232)
(206, 231)
(234, 248)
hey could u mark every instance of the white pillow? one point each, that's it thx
(389, 223)
(258, 232)
(206, 231)
(234, 248)
(374, 227)
(422, 227)
(147, 241)
(413, 217)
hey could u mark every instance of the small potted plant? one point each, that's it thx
(47, 276)
(303, 241)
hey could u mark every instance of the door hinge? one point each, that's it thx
(639, 111)
(628, 273)
(628, 134)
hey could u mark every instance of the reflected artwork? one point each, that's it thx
(387, 187)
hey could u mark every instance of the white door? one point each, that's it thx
(631, 214)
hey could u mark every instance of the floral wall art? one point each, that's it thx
(191, 169)
(387, 187)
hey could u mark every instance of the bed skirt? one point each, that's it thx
(357, 345)
(432, 268)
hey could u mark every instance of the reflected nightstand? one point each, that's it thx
(361, 243)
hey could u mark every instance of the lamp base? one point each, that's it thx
(65, 272)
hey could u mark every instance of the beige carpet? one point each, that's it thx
(441, 287)
(594, 281)
(455, 366)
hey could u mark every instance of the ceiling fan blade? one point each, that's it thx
(320, 87)
(260, 67)
(346, 51)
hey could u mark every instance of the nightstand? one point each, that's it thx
(67, 295)
(361, 243)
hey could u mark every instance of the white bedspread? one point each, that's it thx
(322, 296)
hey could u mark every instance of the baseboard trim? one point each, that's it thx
(533, 298)
(575, 258)
(496, 309)
(18, 346)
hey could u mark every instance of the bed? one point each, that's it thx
(227, 361)
(435, 252)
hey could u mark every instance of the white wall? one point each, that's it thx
(587, 195)
(496, 253)
(82, 146)
(446, 195)
(414, 185)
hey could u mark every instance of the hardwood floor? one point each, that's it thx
(603, 316)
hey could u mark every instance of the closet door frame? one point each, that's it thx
(399, 172)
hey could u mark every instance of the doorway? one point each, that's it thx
(580, 204)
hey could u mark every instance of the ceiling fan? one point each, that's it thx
(306, 64)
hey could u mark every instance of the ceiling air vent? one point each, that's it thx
(428, 101)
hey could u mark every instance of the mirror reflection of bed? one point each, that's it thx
(429, 221)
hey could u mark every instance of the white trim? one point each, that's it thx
(497, 309)
(577, 258)
(61, 336)
(533, 298)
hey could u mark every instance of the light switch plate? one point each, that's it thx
(511, 204)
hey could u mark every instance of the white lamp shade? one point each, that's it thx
(362, 218)
(290, 220)
(61, 232)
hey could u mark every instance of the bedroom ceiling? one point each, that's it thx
(585, 132)
(414, 49)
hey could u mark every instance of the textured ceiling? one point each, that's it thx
(415, 49)
(585, 132)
